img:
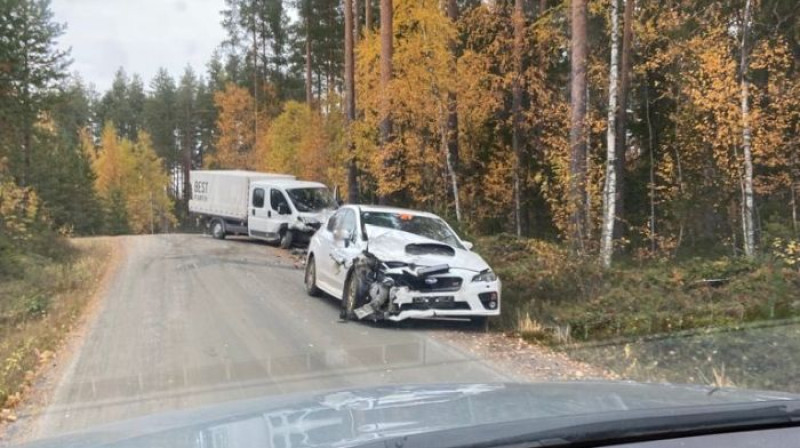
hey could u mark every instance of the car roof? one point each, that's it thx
(387, 209)
(290, 183)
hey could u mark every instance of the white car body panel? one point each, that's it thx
(334, 258)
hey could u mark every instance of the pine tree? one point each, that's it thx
(32, 66)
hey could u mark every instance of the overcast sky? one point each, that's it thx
(139, 35)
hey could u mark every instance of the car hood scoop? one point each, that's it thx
(430, 249)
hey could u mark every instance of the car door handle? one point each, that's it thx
(253, 211)
(269, 213)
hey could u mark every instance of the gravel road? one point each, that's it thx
(189, 321)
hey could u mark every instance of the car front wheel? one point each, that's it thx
(350, 297)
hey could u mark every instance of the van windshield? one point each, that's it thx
(311, 199)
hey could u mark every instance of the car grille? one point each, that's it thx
(435, 306)
(442, 284)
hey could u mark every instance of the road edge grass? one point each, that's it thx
(43, 307)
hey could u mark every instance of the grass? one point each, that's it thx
(656, 321)
(552, 296)
(40, 304)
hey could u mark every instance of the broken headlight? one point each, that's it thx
(485, 276)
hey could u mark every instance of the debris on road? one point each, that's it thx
(513, 355)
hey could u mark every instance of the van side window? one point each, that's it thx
(276, 198)
(258, 198)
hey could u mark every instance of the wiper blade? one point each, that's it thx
(615, 427)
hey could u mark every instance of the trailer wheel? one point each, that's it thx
(287, 236)
(217, 229)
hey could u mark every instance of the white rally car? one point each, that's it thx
(395, 264)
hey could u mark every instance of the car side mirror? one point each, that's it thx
(467, 244)
(283, 209)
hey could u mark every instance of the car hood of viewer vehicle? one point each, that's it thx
(374, 416)
(390, 245)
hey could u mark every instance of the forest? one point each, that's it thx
(623, 130)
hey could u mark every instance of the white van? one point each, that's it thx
(271, 207)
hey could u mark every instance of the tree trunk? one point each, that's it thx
(187, 167)
(387, 35)
(747, 215)
(577, 181)
(652, 168)
(622, 112)
(349, 99)
(452, 120)
(309, 93)
(356, 21)
(609, 192)
(516, 111)
(255, 87)
(367, 15)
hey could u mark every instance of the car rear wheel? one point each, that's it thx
(217, 229)
(311, 278)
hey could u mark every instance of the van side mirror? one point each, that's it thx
(283, 209)
(468, 245)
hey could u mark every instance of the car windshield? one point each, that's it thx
(346, 220)
(311, 199)
(425, 226)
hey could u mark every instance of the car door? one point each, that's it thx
(258, 221)
(279, 214)
(322, 252)
(344, 248)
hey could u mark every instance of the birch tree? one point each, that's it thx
(387, 38)
(349, 99)
(609, 192)
(747, 180)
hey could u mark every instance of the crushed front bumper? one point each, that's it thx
(473, 299)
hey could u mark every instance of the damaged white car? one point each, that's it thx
(394, 264)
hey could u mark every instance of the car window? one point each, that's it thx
(276, 198)
(425, 226)
(332, 221)
(258, 198)
(347, 222)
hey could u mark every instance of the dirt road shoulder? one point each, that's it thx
(62, 333)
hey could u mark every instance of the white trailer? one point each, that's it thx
(268, 206)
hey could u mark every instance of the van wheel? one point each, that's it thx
(311, 278)
(287, 236)
(217, 230)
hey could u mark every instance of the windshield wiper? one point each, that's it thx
(609, 428)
